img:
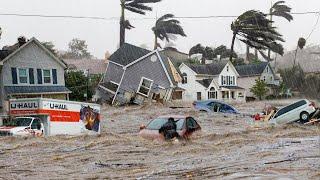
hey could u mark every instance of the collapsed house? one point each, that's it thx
(135, 74)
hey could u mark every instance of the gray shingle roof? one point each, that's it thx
(208, 69)
(205, 82)
(35, 89)
(251, 69)
(95, 66)
(128, 53)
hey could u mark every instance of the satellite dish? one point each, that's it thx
(154, 58)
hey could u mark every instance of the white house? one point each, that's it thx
(263, 71)
(211, 81)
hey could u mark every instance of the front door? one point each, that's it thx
(198, 96)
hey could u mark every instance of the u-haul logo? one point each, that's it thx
(58, 106)
(24, 105)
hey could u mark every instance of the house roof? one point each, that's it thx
(95, 66)
(15, 49)
(4, 54)
(208, 69)
(36, 89)
(231, 87)
(128, 53)
(205, 82)
(251, 69)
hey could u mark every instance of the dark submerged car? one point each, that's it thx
(215, 106)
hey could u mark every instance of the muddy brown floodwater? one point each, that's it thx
(227, 148)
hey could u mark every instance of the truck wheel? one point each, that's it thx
(304, 117)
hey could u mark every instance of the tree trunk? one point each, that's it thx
(269, 51)
(295, 57)
(256, 54)
(247, 53)
(232, 45)
(122, 27)
(155, 42)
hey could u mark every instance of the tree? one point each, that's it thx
(281, 10)
(50, 46)
(164, 26)
(301, 44)
(80, 85)
(206, 52)
(78, 49)
(256, 31)
(259, 89)
(224, 52)
(135, 6)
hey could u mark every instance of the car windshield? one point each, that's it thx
(156, 124)
(21, 122)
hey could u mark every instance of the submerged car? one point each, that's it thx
(22, 126)
(215, 106)
(186, 126)
(298, 111)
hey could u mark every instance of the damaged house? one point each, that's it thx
(135, 74)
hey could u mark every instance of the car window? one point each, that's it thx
(191, 123)
(22, 121)
(290, 108)
(226, 108)
(156, 124)
(36, 124)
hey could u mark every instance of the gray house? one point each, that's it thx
(136, 74)
(251, 72)
(28, 70)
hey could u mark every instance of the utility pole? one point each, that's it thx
(87, 89)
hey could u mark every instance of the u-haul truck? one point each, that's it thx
(39, 116)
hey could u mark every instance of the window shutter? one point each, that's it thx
(54, 76)
(31, 76)
(14, 76)
(39, 74)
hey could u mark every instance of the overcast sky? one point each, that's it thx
(102, 35)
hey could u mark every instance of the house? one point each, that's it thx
(29, 70)
(263, 71)
(218, 80)
(136, 74)
(93, 66)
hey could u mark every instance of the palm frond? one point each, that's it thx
(135, 10)
(146, 1)
(139, 6)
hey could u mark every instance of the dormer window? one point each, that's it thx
(267, 69)
(227, 68)
(184, 78)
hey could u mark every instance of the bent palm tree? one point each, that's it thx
(166, 25)
(281, 10)
(136, 6)
(255, 30)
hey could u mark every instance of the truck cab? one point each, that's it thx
(23, 126)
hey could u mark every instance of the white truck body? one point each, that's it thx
(59, 117)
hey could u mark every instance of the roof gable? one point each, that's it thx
(251, 69)
(208, 69)
(127, 54)
(35, 41)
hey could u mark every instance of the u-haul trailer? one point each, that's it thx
(56, 117)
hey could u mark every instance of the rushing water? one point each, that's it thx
(228, 147)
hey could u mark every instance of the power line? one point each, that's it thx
(314, 27)
(144, 18)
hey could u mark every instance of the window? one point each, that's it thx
(36, 124)
(264, 78)
(23, 76)
(191, 123)
(227, 68)
(240, 94)
(184, 78)
(271, 78)
(290, 108)
(198, 96)
(46, 76)
(145, 87)
(227, 80)
(212, 94)
(267, 69)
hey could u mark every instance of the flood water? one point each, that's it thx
(227, 148)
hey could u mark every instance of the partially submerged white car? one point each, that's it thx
(298, 111)
(23, 126)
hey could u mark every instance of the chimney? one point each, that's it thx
(21, 40)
